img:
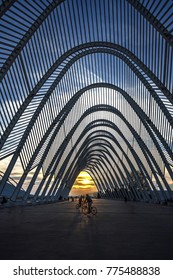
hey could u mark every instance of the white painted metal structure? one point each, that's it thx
(88, 85)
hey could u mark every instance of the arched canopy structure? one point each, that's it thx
(87, 85)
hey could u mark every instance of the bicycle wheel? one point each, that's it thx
(94, 210)
(85, 210)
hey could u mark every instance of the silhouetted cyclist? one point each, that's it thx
(80, 200)
(89, 202)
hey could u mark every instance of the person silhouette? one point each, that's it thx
(89, 202)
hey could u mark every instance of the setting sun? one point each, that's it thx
(86, 181)
(83, 185)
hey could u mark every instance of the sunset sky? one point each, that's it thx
(83, 185)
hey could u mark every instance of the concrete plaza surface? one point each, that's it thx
(120, 230)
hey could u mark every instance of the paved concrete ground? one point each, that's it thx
(59, 231)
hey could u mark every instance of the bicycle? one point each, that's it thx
(85, 210)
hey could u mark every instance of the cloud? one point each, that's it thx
(83, 182)
(83, 186)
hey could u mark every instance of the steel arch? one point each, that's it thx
(143, 117)
(153, 85)
(76, 49)
(137, 138)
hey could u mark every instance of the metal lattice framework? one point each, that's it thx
(87, 85)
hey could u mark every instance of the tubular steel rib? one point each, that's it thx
(87, 85)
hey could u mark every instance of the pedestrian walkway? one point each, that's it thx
(58, 231)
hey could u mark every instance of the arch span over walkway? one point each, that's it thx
(87, 85)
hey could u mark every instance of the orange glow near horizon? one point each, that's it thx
(84, 184)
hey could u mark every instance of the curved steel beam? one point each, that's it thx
(99, 170)
(56, 160)
(139, 163)
(144, 172)
(27, 36)
(126, 183)
(121, 183)
(73, 166)
(69, 64)
(127, 159)
(95, 178)
(142, 145)
(153, 20)
(5, 6)
(141, 115)
(90, 141)
(88, 156)
(136, 4)
(93, 164)
(105, 153)
(68, 106)
(115, 193)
